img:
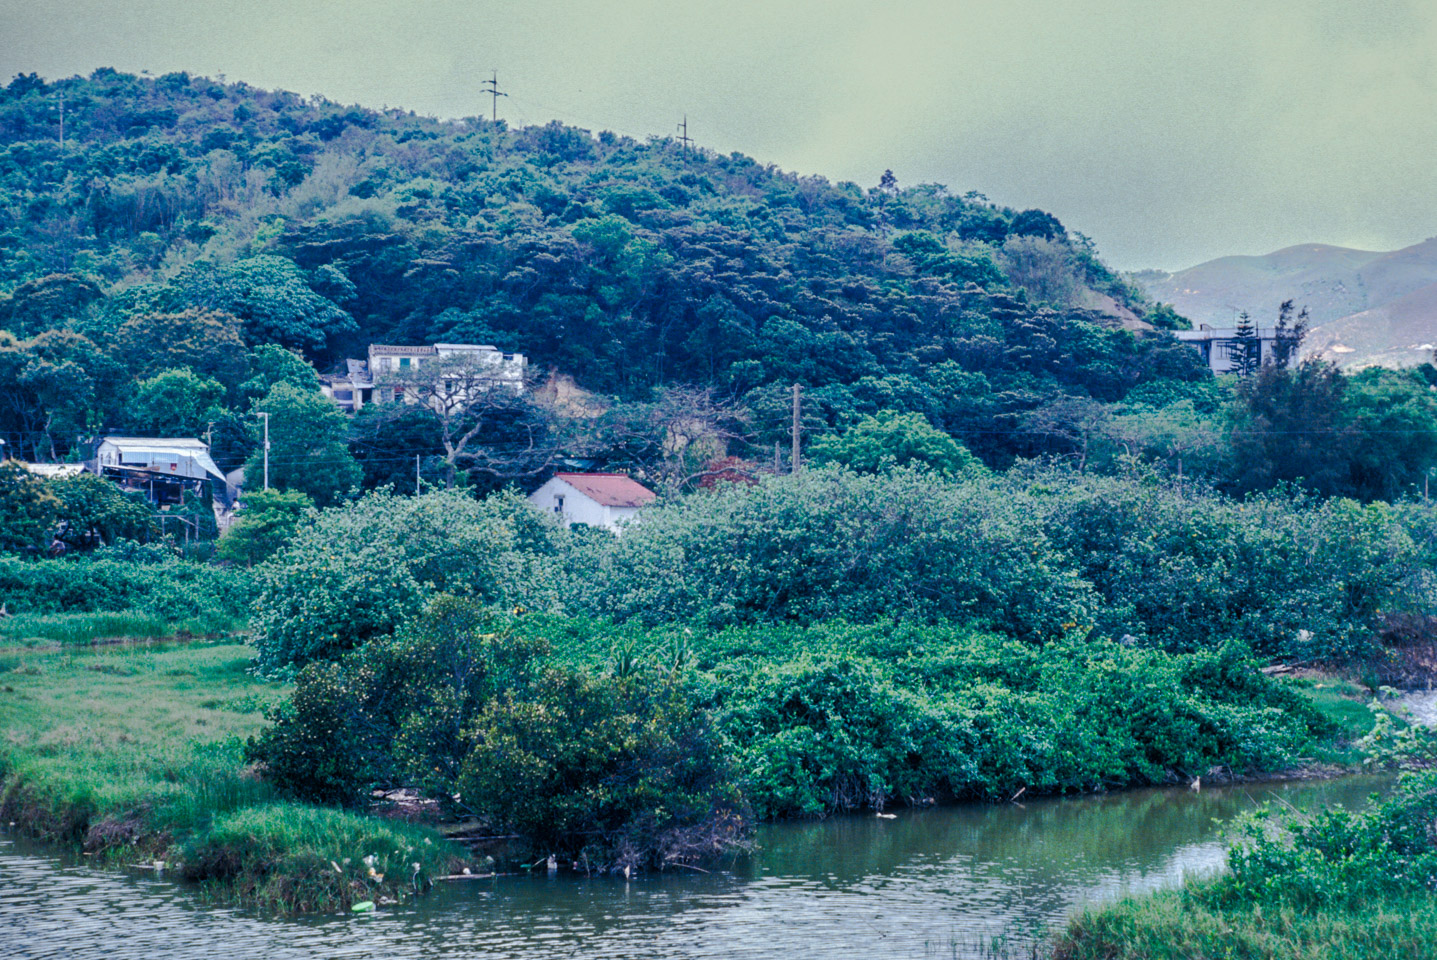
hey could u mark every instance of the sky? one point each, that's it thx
(1170, 133)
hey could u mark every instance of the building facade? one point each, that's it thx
(363, 382)
(607, 500)
(1220, 347)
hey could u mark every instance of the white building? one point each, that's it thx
(597, 499)
(164, 467)
(1220, 346)
(363, 381)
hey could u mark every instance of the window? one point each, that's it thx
(403, 361)
(558, 504)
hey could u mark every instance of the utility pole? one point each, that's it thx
(416, 474)
(209, 434)
(684, 137)
(491, 87)
(777, 463)
(797, 463)
(62, 123)
(265, 414)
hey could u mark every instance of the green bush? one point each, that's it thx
(1290, 575)
(360, 569)
(611, 772)
(166, 588)
(394, 710)
(835, 716)
(832, 544)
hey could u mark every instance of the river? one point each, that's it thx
(933, 883)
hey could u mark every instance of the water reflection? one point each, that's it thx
(910, 887)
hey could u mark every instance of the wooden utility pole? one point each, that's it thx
(684, 137)
(416, 474)
(797, 463)
(491, 87)
(266, 448)
(62, 123)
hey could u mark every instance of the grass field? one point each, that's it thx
(136, 753)
(28, 629)
(1181, 925)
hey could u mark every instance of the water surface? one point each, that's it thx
(931, 883)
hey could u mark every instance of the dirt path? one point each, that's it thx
(1421, 706)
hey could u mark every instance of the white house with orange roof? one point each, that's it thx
(597, 499)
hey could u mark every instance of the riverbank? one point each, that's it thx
(1333, 884)
(134, 754)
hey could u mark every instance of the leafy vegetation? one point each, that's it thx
(1339, 883)
(137, 753)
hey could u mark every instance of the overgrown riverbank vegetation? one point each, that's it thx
(1034, 546)
(135, 754)
(1332, 884)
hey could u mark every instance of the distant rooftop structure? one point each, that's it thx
(594, 499)
(363, 381)
(610, 489)
(1220, 346)
(163, 467)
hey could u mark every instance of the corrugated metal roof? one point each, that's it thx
(165, 442)
(609, 489)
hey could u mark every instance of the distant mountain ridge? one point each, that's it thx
(1367, 308)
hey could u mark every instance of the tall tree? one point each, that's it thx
(488, 424)
(307, 449)
(1288, 334)
(1246, 347)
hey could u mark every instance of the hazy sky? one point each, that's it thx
(1169, 132)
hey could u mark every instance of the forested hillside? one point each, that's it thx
(283, 220)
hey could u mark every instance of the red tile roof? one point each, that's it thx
(609, 489)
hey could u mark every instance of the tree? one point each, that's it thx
(488, 425)
(95, 512)
(175, 403)
(674, 442)
(1291, 426)
(1393, 430)
(47, 303)
(28, 509)
(1288, 334)
(272, 297)
(206, 341)
(271, 365)
(1246, 347)
(386, 438)
(1037, 223)
(307, 448)
(890, 440)
(266, 524)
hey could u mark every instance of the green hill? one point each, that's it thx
(626, 265)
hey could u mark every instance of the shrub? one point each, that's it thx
(832, 544)
(167, 588)
(611, 772)
(396, 709)
(1290, 575)
(360, 569)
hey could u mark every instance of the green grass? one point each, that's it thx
(1179, 925)
(86, 628)
(137, 753)
(1343, 704)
